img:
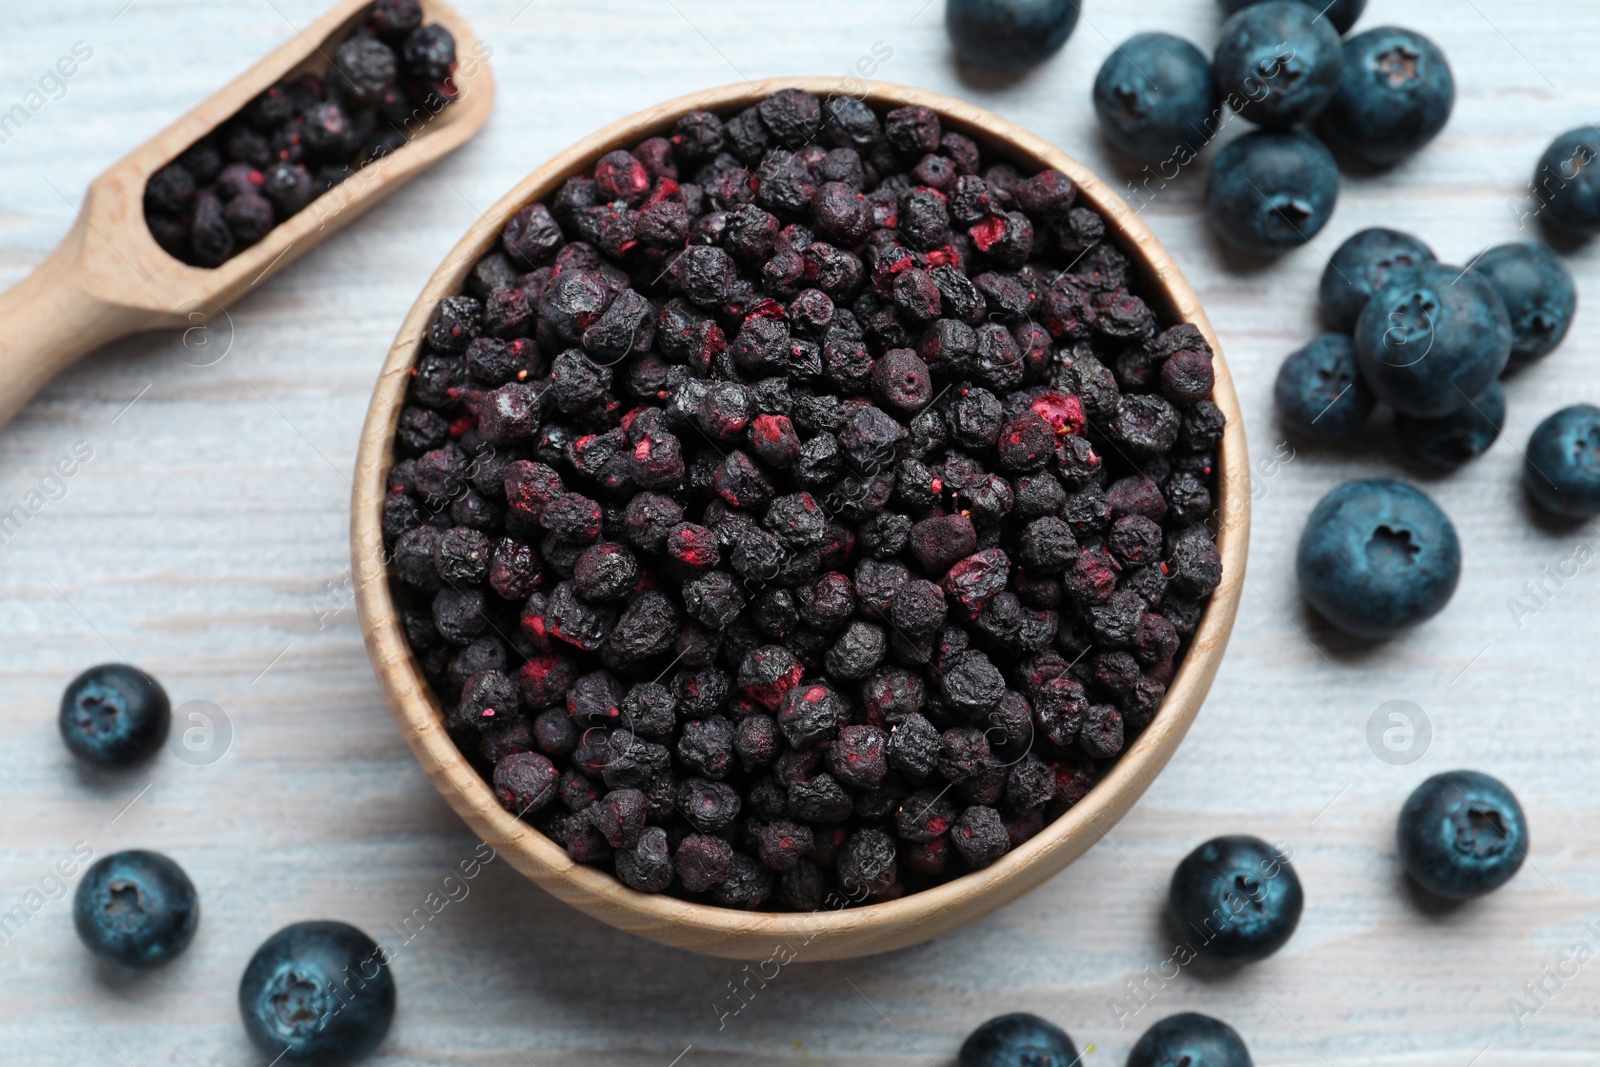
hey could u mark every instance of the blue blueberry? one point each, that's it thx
(136, 909)
(1563, 468)
(1277, 64)
(1432, 339)
(1462, 834)
(1342, 13)
(1270, 192)
(1395, 95)
(317, 993)
(1376, 557)
(1009, 35)
(1361, 266)
(1319, 391)
(114, 715)
(1451, 440)
(1018, 1040)
(1235, 899)
(1190, 1040)
(1567, 182)
(1155, 98)
(1538, 293)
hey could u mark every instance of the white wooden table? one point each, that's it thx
(206, 540)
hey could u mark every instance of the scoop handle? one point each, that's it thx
(51, 318)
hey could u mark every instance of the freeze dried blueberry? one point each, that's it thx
(647, 628)
(703, 862)
(781, 844)
(429, 53)
(975, 418)
(810, 713)
(647, 866)
(571, 517)
(972, 582)
(1195, 565)
(525, 782)
(1101, 734)
(767, 674)
(914, 747)
(940, 541)
(826, 602)
(705, 746)
(619, 817)
(971, 684)
(1047, 545)
(1135, 539)
(367, 68)
(858, 757)
(857, 651)
(869, 437)
(605, 571)
(979, 835)
(747, 886)
(575, 621)
(866, 863)
(901, 381)
(709, 806)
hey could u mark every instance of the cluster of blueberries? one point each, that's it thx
(314, 993)
(1432, 342)
(1281, 65)
(1236, 900)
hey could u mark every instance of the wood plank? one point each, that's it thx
(200, 539)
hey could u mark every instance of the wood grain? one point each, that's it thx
(201, 539)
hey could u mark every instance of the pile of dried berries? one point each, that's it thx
(299, 139)
(798, 502)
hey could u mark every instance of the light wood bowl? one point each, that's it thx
(824, 935)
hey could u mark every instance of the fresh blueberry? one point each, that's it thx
(1462, 834)
(1270, 192)
(1155, 98)
(318, 994)
(1190, 1040)
(1563, 468)
(1009, 35)
(1277, 63)
(114, 715)
(1451, 440)
(1017, 1040)
(1432, 339)
(1395, 95)
(1539, 295)
(1342, 13)
(1361, 266)
(1567, 182)
(1319, 391)
(1235, 899)
(1376, 557)
(136, 909)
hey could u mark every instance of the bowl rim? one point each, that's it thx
(840, 932)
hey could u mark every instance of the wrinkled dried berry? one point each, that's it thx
(980, 836)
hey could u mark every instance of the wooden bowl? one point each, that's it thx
(826, 934)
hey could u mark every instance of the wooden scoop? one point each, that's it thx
(108, 278)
